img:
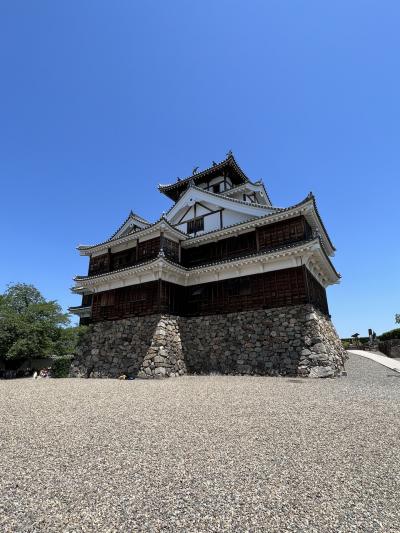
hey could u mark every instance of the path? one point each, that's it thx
(393, 364)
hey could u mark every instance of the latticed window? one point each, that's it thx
(171, 249)
(150, 248)
(195, 225)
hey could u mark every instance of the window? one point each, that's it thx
(195, 225)
(216, 188)
(149, 248)
(238, 287)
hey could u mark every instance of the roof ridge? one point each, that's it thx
(131, 215)
(151, 225)
(230, 157)
(219, 195)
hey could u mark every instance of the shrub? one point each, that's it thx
(60, 366)
(352, 341)
(389, 335)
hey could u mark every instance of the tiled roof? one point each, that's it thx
(135, 232)
(133, 216)
(198, 176)
(220, 195)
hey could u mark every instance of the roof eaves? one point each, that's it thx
(217, 195)
(311, 196)
(188, 269)
(328, 258)
(132, 216)
(243, 186)
(256, 254)
(275, 250)
(136, 232)
(203, 173)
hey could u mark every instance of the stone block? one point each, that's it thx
(321, 372)
(319, 347)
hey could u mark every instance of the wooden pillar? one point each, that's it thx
(194, 217)
(161, 240)
(308, 295)
(257, 241)
(109, 259)
(221, 222)
(159, 295)
(137, 250)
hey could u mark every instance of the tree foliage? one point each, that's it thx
(390, 335)
(397, 319)
(31, 326)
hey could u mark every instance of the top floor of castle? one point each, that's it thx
(219, 198)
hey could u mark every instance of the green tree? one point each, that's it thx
(68, 339)
(355, 337)
(30, 326)
(397, 319)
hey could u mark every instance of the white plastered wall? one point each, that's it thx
(216, 180)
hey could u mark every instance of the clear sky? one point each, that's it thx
(102, 100)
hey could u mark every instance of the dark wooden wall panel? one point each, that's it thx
(284, 232)
(262, 239)
(292, 286)
(115, 261)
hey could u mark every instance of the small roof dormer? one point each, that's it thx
(132, 223)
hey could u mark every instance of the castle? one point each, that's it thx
(223, 282)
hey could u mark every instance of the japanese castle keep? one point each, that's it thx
(223, 282)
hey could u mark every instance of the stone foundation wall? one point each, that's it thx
(297, 340)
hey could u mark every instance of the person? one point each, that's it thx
(35, 375)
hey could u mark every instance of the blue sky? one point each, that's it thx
(101, 101)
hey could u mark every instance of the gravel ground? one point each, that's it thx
(202, 454)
